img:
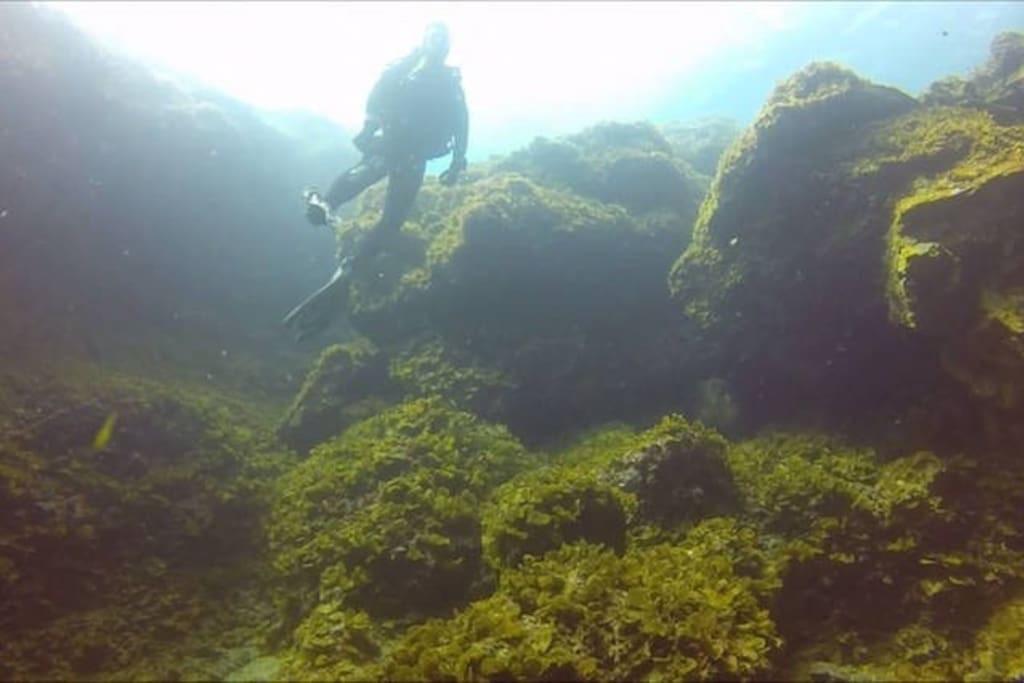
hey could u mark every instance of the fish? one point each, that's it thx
(102, 438)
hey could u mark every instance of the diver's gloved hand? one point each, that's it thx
(457, 166)
(362, 141)
(317, 211)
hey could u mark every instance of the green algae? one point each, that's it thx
(419, 541)
(545, 509)
(632, 165)
(662, 613)
(384, 517)
(347, 384)
(973, 151)
(428, 367)
(157, 535)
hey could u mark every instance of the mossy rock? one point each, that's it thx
(632, 165)
(385, 518)
(426, 366)
(846, 210)
(677, 471)
(785, 261)
(954, 270)
(583, 613)
(134, 515)
(521, 291)
(96, 474)
(997, 86)
(542, 510)
(347, 384)
(867, 549)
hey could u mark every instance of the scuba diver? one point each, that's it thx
(416, 112)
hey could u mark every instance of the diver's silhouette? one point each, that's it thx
(416, 112)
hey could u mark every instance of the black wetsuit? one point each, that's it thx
(421, 113)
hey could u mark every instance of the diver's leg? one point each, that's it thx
(356, 179)
(321, 307)
(404, 183)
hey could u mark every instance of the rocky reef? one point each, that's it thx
(544, 271)
(855, 251)
(641, 403)
(133, 515)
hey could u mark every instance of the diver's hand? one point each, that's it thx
(317, 210)
(457, 166)
(362, 141)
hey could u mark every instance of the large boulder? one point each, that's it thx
(856, 254)
(385, 518)
(784, 275)
(502, 294)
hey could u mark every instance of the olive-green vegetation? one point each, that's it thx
(858, 246)
(501, 477)
(517, 294)
(348, 383)
(661, 613)
(384, 518)
(133, 514)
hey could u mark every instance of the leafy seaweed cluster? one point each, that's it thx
(119, 496)
(545, 509)
(385, 518)
(611, 485)
(878, 559)
(348, 383)
(688, 612)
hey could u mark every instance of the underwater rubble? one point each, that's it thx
(611, 412)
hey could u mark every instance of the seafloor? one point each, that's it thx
(672, 403)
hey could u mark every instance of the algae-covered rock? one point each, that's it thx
(678, 472)
(544, 510)
(846, 212)
(385, 518)
(538, 307)
(783, 273)
(348, 383)
(697, 611)
(633, 165)
(133, 514)
(998, 85)
(426, 367)
(608, 485)
(332, 644)
(953, 256)
(878, 560)
(702, 143)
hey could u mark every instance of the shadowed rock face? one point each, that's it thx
(783, 275)
(852, 243)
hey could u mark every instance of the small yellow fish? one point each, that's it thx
(102, 438)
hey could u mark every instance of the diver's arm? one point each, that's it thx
(461, 127)
(461, 138)
(370, 126)
(375, 107)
